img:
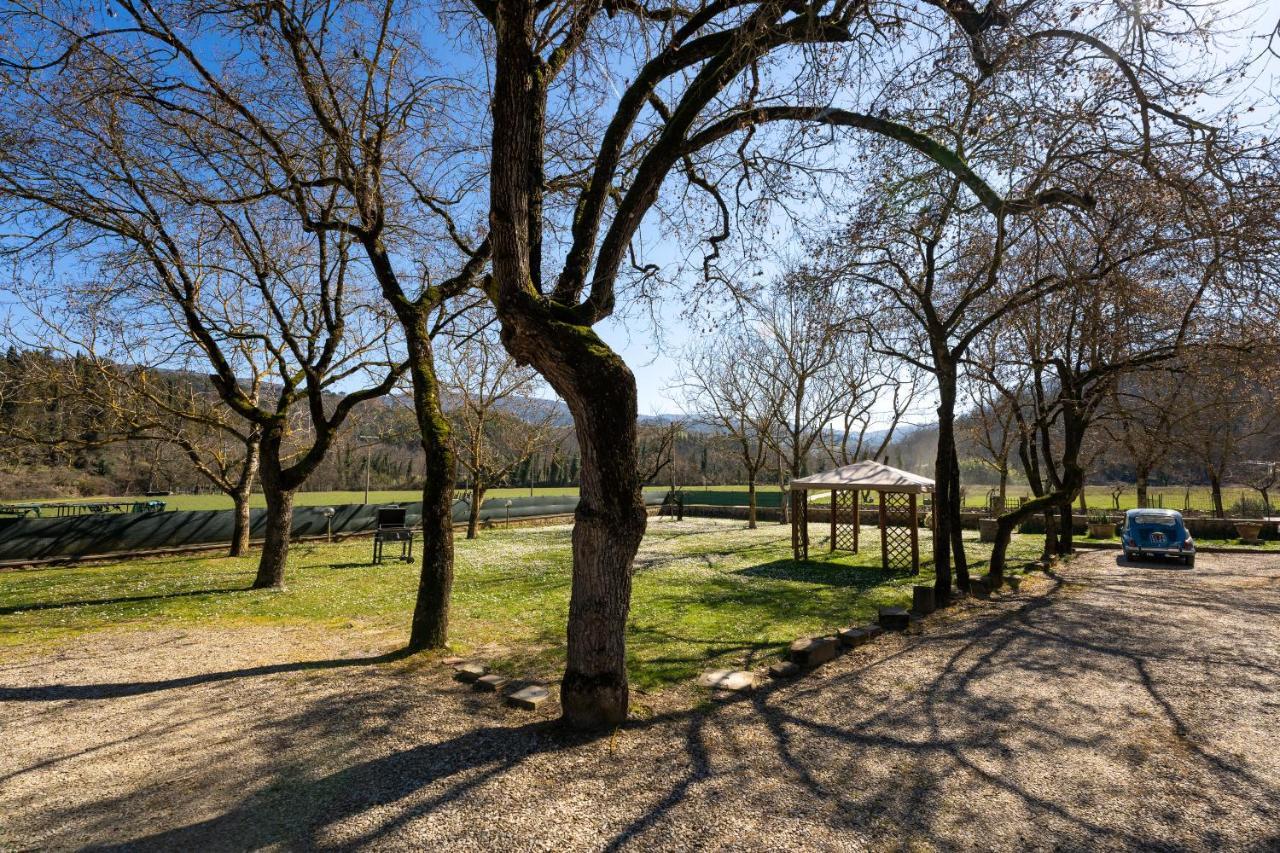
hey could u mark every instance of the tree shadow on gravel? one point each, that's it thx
(939, 740)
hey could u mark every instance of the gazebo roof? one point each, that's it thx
(867, 474)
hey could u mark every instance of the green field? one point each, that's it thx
(1099, 497)
(1096, 497)
(706, 593)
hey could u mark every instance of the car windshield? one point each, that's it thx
(1162, 520)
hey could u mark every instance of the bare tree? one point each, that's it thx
(333, 117)
(725, 392)
(499, 422)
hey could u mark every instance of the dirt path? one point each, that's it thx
(1122, 707)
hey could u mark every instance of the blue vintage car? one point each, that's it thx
(1149, 532)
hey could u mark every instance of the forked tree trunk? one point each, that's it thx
(609, 522)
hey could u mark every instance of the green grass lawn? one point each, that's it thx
(706, 593)
(1099, 497)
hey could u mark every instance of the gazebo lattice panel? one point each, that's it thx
(899, 551)
(846, 533)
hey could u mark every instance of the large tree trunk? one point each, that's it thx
(430, 625)
(1065, 545)
(1215, 489)
(946, 498)
(279, 519)
(610, 519)
(751, 502)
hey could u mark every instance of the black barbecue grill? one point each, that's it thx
(392, 527)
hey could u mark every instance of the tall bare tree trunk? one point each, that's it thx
(1215, 489)
(240, 523)
(751, 502)
(430, 626)
(279, 518)
(473, 514)
(610, 520)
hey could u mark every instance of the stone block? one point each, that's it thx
(811, 651)
(489, 683)
(980, 587)
(452, 661)
(529, 698)
(873, 630)
(922, 601)
(468, 672)
(894, 618)
(784, 669)
(736, 680)
(853, 637)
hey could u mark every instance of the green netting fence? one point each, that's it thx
(35, 539)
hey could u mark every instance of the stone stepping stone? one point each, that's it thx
(528, 698)
(922, 601)
(452, 661)
(853, 637)
(468, 672)
(784, 669)
(894, 618)
(873, 630)
(489, 683)
(811, 651)
(736, 680)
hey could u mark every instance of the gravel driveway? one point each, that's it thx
(1114, 707)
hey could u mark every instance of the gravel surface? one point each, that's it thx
(1112, 707)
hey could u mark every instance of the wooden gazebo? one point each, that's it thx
(898, 510)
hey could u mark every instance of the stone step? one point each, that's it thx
(784, 669)
(528, 698)
(853, 637)
(922, 600)
(811, 651)
(489, 683)
(736, 680)
(894, 618)
(468, 672)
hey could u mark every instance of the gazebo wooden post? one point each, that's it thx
(915, 537)
(857, 499)
(884, 533)
(833, 520)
